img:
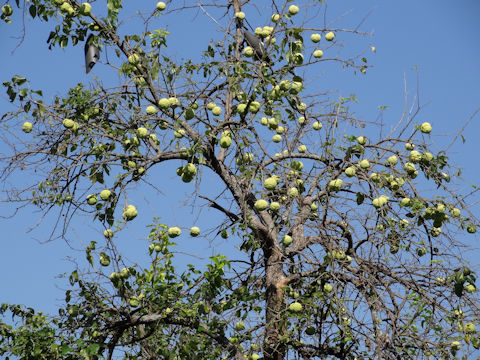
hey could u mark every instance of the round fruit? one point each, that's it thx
(409, 146)
(161, 6)
(329, 36)
(335, 185)
(217, 111)
(275, 18)
(150, 110)
(239, 326)
(317, 125)
(295, 307)
(274, 206)
(27, 127)
(7, 10)
(105, 194)
(364, 164)
(302, 149)
(142, 132)
(129, 212)
(92, 199)
(211, 105)
(164, 103)
(108, 233)
(68, 123)
(293, 192)
(327, 288)
(194, 231)
(317, 54)
(134, 59)
(362, 140)
(276, 138)
(104, 260)
(240, 15)
(260, 205)
(174, 231)
(189, 114)
(287, 240)
(248, 51)
(350, 171)
(225, 142)
(293, 9)
(392, 160)
(471, 229)
(86, 9)
(270, 183)
(315, 37)
(426, 128)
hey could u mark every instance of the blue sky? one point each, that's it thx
(429, 46)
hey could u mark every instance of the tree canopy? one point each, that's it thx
(345, 241)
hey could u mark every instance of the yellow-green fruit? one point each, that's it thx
(296, 87)
(350, 171)
(150, 110)
(216, 110)
(427, 157)
(134, 59)
(276, 138)
(415, 156)
(180, 133)
(471, 229)
(239, 326)
(67, 8)
(293, 9)
(240, 15)
(174, 231)
(86, 9)
(27, 127)
(114, 276)
(260, 205)
(302, 107)
(7, 10)
(105, 194)
(274, 206)
(409, 167)
(173, 102)
(68, 123)
(327, 288)
(329, 36)
(104, 260)
(254, 356)
(164, 103)
(409, 146)
(211, 105)
(392, 160)
(248, 51)
(455, 212)
(293, 192)
(270, 183)
(190, 169)
(317, 54)
(362, 140)
(92, 199)
(287, 240)
(455, 345)
(133, 302)
(272, 123)
(313, 207)
(125, 273)
(470, 288)
(142, 132)
(275, 18)
(108, 233)
(302, 149)
(426, 128)
(405, 202)
(364, 164)
(241, 108)
(298, 58)
(280, 130)
(295, 307)
(161, 6)
(194, 231)
(254, 106)
(225, 142)
(335, 185)
(469, 328)
(317, 125)
(129, 212)
(315, 38)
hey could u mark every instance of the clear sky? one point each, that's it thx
(440, 39)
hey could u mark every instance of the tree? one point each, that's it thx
(345, 254)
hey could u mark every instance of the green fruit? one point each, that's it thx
(409, 168)
(295, 307)
(329, 36)
(302, 149)
(260, 205)
(287, 240)
(27, 127)
(189, 169)
(293, 10)
(7, 10)
(217, 111)
(164, 103)
(104, 260)
(189, 114)
(315, 38)
(426, 128)
(68, 123)
(194, 231)
(293, 192)
(362, 140)
(421, 251)
(248, 51)
(239, 326)
(317, 54)
(86, 9)
(270, 183)
(275, 18)
(129, 212)
(469, 328)
(350, 171)
(161, 6)
(327, 288)
(108, 233)
(364, 164)
(240, 15)
(150, 110)
(455, 345)
(274, 206)
(470, 288)
(225, 142)
(124, 273)
(415, 156)
(133, 302)
(392, 160)
(409, 146)
(92, 199)
(276, 138)
(142, 132)
(105, 194)
(471, 229)
(317, 125)
(114, 276)
(134, 59)
(174, 231)
(313, 207)
(224, 234)
(173, 101)
(335, 185)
